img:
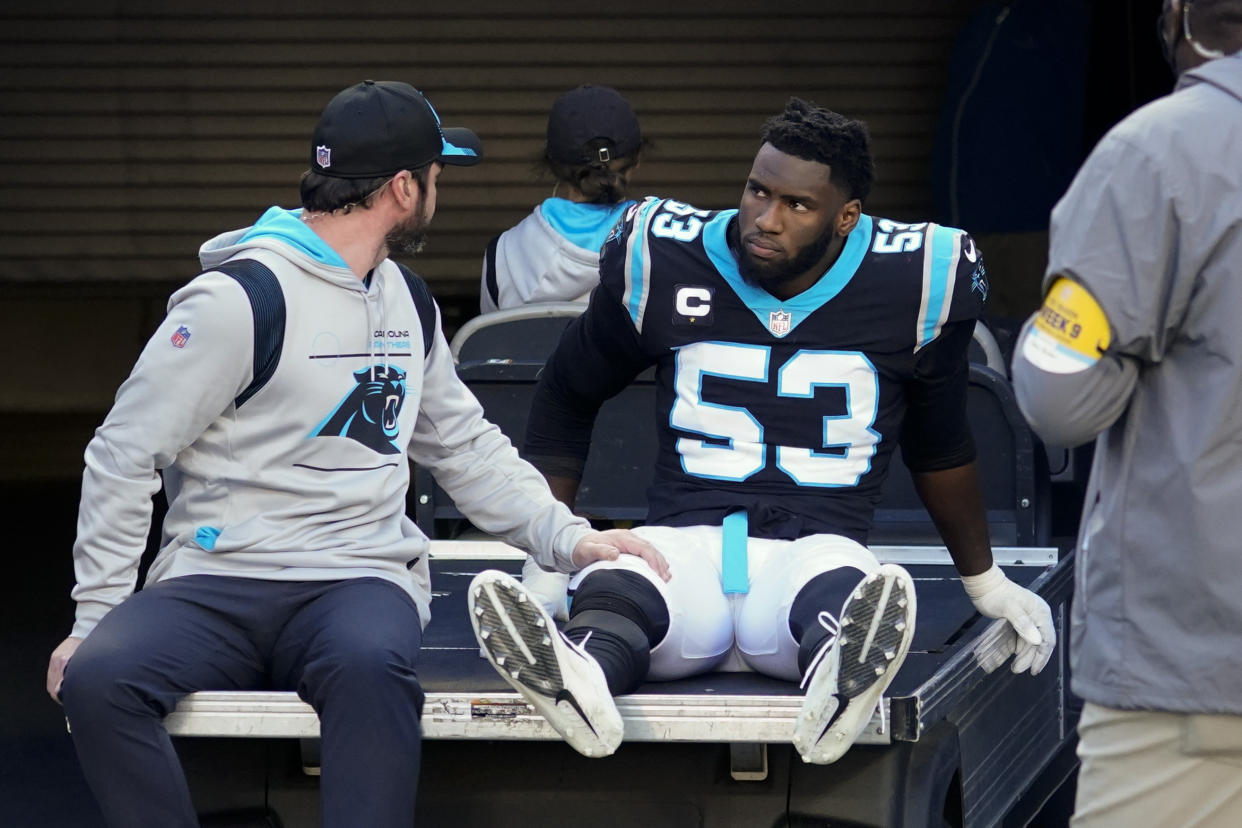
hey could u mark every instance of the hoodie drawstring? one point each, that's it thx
(366, 301)
(383, 328)
(376, 337)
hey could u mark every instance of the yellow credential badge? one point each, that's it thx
(1070, 333)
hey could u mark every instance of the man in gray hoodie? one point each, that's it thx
(1138, 342)
(280, 398)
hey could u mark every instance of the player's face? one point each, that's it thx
(792, 222)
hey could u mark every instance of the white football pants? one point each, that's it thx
(709, 630)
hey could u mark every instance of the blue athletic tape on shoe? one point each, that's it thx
(735, 531)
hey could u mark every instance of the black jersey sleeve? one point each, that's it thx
(936, 433)
(598, 355)
(621, 258)
(970, 283)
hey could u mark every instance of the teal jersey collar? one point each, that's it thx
(763, 304)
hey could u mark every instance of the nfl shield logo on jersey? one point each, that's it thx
(323, 156)
(779, 322)
(181, 337)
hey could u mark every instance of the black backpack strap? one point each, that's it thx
(267, 305)
(423, 303)
(489, 272)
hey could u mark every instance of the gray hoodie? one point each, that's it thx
(552, 255)
(1152, 228)
(303, 474)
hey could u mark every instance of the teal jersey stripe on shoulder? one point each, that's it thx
(940, 260)
(638, 271)
(761, 303)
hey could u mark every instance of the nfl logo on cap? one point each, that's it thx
(323, 156)
(779, 321)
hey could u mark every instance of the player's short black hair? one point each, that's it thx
(813, 133)
(321, 194)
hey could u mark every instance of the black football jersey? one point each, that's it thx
(790, 409)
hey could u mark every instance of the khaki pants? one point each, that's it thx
(1142, 768)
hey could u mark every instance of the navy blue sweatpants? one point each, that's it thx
(347, 647)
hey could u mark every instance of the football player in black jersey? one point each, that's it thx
(796, 342)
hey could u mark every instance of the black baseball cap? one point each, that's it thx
(378, 128)
(586, 114)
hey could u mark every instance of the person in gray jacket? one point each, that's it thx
(280, 398)
(594, 144)
(1138, 342)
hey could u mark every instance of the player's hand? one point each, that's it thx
(995, 596)
(56, 665)
(612, 544)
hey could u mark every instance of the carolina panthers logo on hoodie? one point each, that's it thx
(369, 412)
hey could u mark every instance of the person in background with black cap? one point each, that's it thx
(594, 145)
(278, 398)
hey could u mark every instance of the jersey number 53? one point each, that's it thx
(739, 450)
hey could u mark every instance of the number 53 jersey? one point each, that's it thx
(789, 409)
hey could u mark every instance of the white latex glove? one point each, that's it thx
(995, 596)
